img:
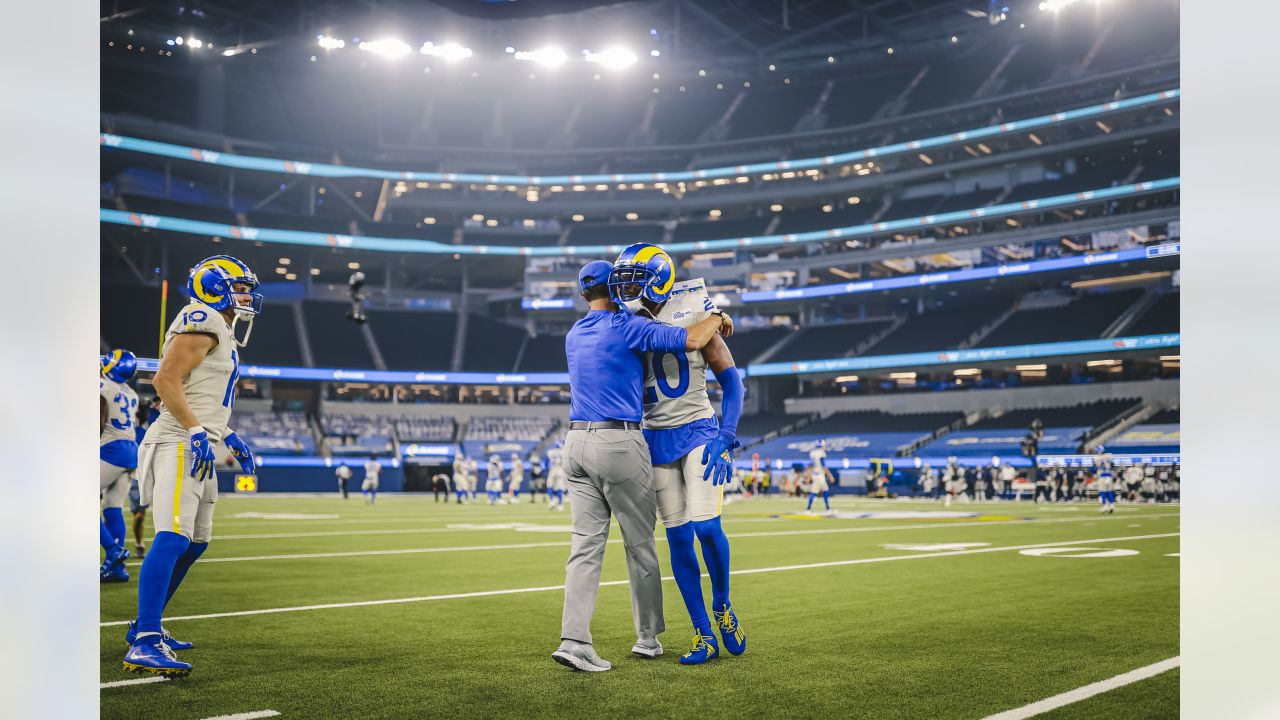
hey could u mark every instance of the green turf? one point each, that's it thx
(961, 636)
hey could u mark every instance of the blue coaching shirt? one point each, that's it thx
(606, 363)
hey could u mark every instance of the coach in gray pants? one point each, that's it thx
(607, 463)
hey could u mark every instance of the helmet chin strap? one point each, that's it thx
(241, 342)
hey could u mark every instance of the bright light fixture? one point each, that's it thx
(329, 43)
(613, 57)
(449, 52)
(550, 56)
(390, 48)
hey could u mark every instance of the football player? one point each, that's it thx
(1106, 491)
(691, 451)
(493, 484)
(516, 478)
(459, 475)
(196, 380)
(117, 456)
(372, 469)
(819, 476)
(556, 482)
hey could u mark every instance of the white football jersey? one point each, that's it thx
(517, 471)
(675, 385)
(555, 458)
(1104, 482)
(495, 469)
(122, 404)
(210, 388)
(817, 455)
(372, 468)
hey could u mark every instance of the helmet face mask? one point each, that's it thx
(642, 272)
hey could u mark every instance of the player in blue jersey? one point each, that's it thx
(691, 451)
(117, 457)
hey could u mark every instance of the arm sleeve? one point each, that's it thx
(731, 403)
(650, 336)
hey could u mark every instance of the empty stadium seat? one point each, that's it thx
(414, 340)
(828, 341)
(1164, 316)
(1082, 319)
(491, 346)
(335, 341)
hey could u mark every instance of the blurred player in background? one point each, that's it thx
(440, 486)
(1106, 490)
(555, 477)
(493, 482)
(117, 457)
(459, 475)
(196, 380)
(473, 479)
(516, 478)
(147, 414)
(537, 477)
(691, 452)
(344, 474)
(818, 475)
(928, 481)
(372, 469)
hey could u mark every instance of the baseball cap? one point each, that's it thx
(594, 273)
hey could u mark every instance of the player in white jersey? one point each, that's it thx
(819, 476)
(691, 451)
(196, 380)
(516, 478)
(473, 478)
(372, 470)
(117, 457)
(928, 480)
(1106, 491)
(556, 482)
(493, 483)
(459, 475)
(344, 474)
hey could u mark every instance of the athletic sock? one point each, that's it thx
(154, 578)
(185, 560)
(113, 518)
(104, 536)
(826, 499)
(684, 566)
(811, 497)
(715, 551)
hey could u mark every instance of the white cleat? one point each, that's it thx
(578, 656)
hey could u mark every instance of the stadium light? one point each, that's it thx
(329, 43)
(390, 48)
(550, 56)
(449, 52)
(615, 58)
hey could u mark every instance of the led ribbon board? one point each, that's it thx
(299, 167)
(414, 245)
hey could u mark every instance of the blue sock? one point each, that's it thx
(113, 518)
(684, 566)
(104, 536)
(185, 560)
(715, 551)
(826, 499)
(811, 497)
(153, 580)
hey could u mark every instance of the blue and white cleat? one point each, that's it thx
(735, 640)
(151, 655)
(131, 637)
(704, 648)
(116, 555)
(117, 575)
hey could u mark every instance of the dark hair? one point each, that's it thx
(596, 292)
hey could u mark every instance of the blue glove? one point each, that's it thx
(241, 452)
(201, 454)
(717, 457)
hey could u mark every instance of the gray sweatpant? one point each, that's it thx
(609, 472)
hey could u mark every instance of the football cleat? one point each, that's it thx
(578, 656)
(132, 635)
(115, 575)
(116, 555)
(735, 640)
(704, 648)
(151, 655)
(140, 551)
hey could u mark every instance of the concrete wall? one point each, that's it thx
(967, 401)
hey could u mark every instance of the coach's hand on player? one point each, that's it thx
(201, 454)
(717, 457)
(241, 452)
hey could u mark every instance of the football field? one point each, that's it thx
(314, 607)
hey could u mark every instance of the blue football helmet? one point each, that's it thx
(642, 270)
(120, 365)
(212, 282)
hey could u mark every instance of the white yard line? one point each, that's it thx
(566, 543)
(548, 588)
(1088, 691)
(247, 715)
(139, 681)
